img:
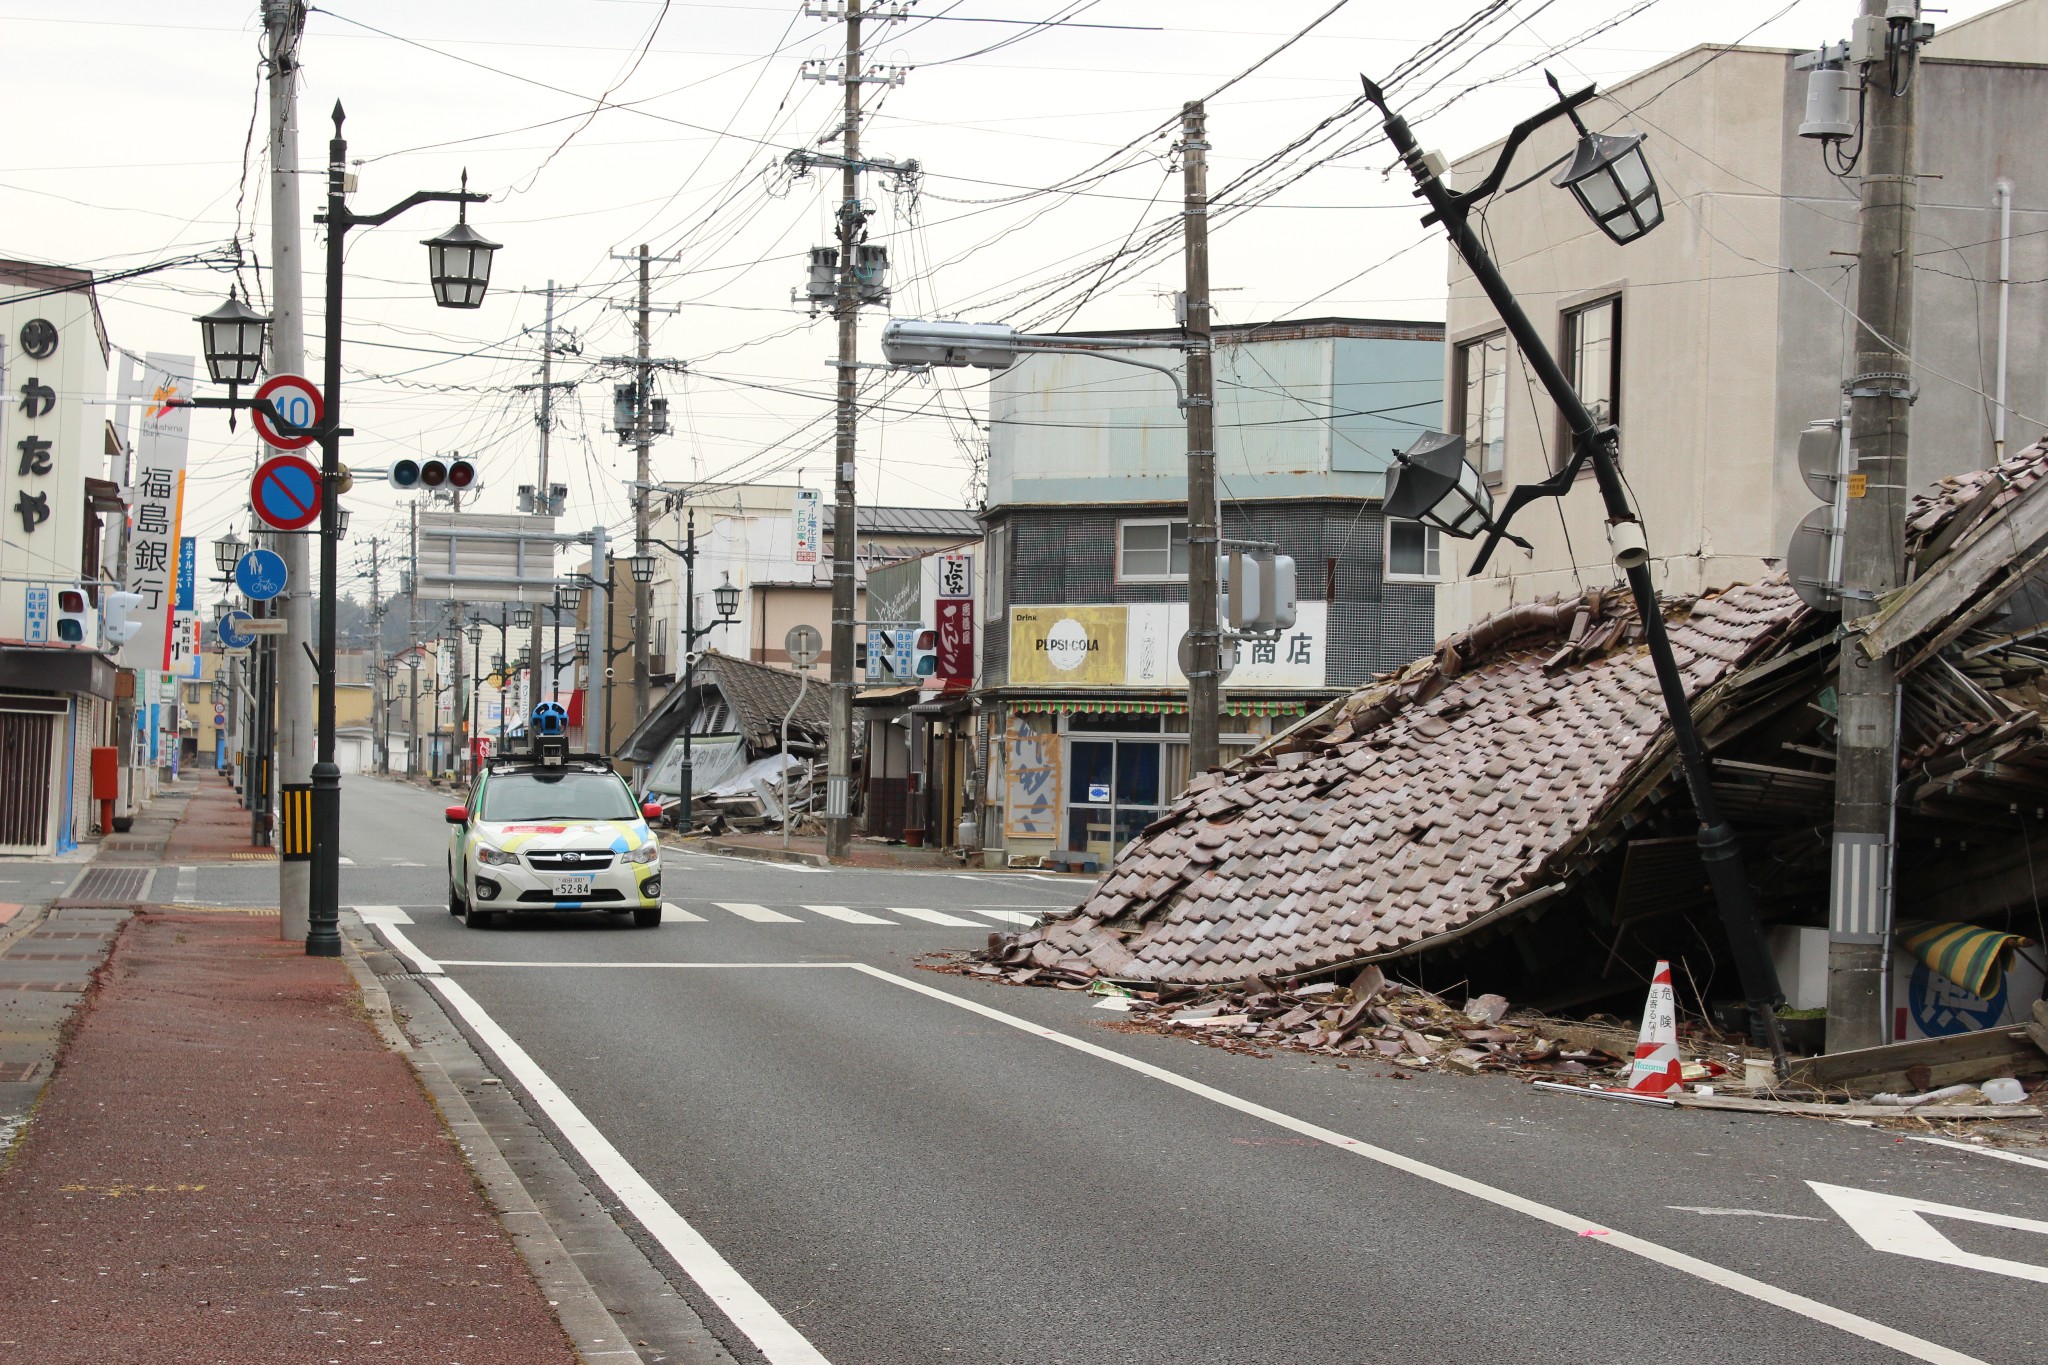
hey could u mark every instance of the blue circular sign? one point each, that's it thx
(260, 574)
(231, 632)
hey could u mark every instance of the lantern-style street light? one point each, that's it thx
(522, 617)
(642, 565)
(459, 260)
(727, 598)
(570, 595)
(227, 552)
(1429, 484)
(231, 339)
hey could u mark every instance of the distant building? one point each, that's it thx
(1715, 338)
(1084, 566)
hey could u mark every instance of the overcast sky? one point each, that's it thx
(128, 124)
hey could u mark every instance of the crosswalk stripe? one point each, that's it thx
(760, 914)
(851, 916)
(935, 917)
(675, 914)
(1004, 916)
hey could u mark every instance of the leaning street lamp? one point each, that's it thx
(1611, 179)
(231, 338)
(1612, 183)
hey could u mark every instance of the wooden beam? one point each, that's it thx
(1930, 600)
(1953, 1060)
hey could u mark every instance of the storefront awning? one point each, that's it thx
(1125, 706)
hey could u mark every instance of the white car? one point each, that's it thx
(567, 837)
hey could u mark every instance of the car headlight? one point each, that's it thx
(495, 857)
(649, 852)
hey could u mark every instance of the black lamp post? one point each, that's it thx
(1612, 182)
(728, 599)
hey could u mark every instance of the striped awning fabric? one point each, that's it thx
(1129, 707)
(1974, 958)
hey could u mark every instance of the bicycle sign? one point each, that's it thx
(298, 402)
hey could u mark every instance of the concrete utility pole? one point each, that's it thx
(285, 21)
(543, 501)
(852, 226)
(1874, 547)
(1205, 702)
(412, 632)
(380, 724)
(643, 440)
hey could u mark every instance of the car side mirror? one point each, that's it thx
(456, 815)
(651, 810)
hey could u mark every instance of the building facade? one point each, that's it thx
(1083, 725)
(1713, 340)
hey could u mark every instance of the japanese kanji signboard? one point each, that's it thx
(156, 504)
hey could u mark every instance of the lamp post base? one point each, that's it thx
(323, 929)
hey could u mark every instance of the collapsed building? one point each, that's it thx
(1506, 813)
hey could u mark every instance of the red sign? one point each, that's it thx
(286, 492)
(297, 401)
(956, 644)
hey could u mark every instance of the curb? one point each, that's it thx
(760, 855)
(584, 1318)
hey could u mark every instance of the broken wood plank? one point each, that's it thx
(1747, 1105)
(1957, 1058)
(1981, 555)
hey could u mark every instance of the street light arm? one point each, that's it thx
(348, 218)
(1461, 200)
(1179, 393)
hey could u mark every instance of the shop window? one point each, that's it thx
(1112, 792)
(1414, 553)
(1152, 551)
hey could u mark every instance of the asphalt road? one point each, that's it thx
(887, 1165)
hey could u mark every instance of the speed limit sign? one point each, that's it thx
(297, 401)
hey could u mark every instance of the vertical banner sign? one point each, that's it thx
(157, 505)
(956, 644)
(956, 576)
(184, 616)
(806, 510)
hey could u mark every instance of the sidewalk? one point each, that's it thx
(230, 1166)
(214, 827)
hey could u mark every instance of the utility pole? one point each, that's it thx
(852, 226)
(285, 22)
(643, 438)
(380, 725)
(412, 634)
(1874, 537)
(1204, 690)
(542, 494)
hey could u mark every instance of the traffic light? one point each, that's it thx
(1260, 595)
(122, 616)
(75, 619)
(409, 474)
(924, 654)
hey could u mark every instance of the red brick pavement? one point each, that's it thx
(229, 1166)
(213, 827)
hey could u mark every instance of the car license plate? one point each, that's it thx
(573, 886)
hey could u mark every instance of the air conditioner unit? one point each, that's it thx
(657, 665)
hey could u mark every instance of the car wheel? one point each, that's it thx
(454, 900)
(474, 918)
(649, 918)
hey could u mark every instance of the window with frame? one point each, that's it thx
(1414, 552)
(1152, 551)
(1480, 386)
(1592, 357)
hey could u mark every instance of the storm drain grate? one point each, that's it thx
(110, 886)
(406, 976)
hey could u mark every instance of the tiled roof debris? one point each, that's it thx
(759, 695)
(1422, 806)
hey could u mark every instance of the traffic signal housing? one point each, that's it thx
(411, 474)
(924, 653)
(74, 621)
(121, 614)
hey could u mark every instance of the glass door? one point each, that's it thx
(1112, 792)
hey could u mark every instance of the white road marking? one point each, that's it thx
(402, 945)
(1004, 916)
(851, 916)
(770, 1332)
(623, 966)
(675, 914)
(347, 861)
(1745, 1213)
(382, 914)
(1894, 1223)
(188, 883)
(1979, 1150)
(759, 914)
(935, 917)
(1919, 1348)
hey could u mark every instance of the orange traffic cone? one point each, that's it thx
(1656, 1068)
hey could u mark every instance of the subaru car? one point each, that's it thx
(567, 836)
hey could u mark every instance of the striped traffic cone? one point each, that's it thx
(1656, 1067)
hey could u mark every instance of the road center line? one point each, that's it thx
(1827, 1314)
(770, 1332)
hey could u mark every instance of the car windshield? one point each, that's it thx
(556, 796)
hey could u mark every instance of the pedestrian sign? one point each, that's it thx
(286, 492)
(232, 630)
(260, 574)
